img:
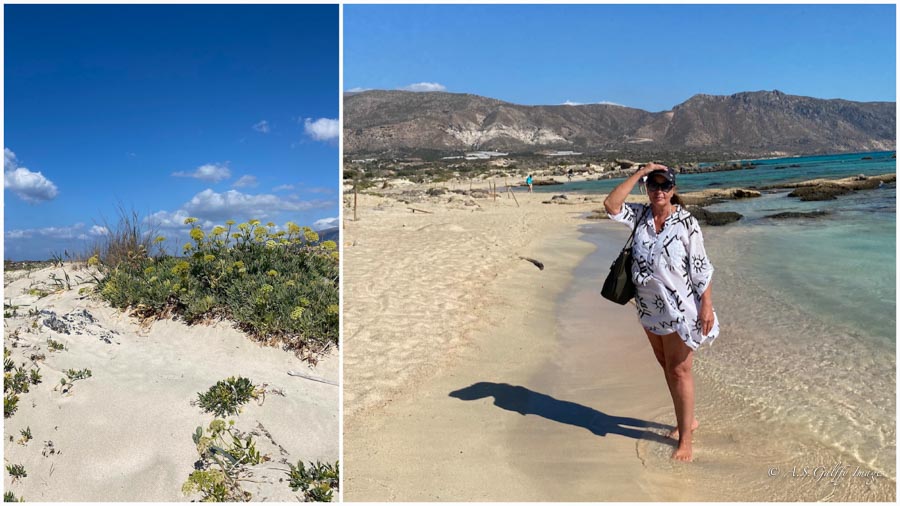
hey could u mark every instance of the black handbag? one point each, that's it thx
(619, 287)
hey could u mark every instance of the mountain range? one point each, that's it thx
(760, 123)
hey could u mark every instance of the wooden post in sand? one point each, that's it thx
(355, 193)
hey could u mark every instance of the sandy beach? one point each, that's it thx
(125, 432)
(423, 387)
(470, 375)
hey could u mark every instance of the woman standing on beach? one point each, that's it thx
(672, 275)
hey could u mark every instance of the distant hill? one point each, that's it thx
(761, 123)
(330, 234)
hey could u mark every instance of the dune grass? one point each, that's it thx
(279, 286)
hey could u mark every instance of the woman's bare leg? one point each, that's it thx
(679, 361)
(656, 342)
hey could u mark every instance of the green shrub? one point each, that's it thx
(317, 482)
(280, 287)
(26, 435)
(10, 497)
(225, 455)
(227, 396)
(16, 471)
(10, 404)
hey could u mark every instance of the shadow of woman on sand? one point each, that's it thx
(528, 402)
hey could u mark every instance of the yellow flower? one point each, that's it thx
(159, 239)
(270, 224)
(94, 260)
(229, 222)
(188, 246)
(254, 222)
(181, 267)
(149, 270)
(333, 309)
(243, 227)
(329, 245)
(271, 244)
(297, 313)
(290, 282)
(218, 229)
(188, 221)
(272, 273)
(197, 234)
(208, 257)
(310, 235)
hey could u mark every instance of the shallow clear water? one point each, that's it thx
(803, 372)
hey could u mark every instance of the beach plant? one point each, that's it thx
(10, 404)
(318, 481)
(16, 381)
(16, 471)
(8, 496)
(8, 364)
(227, 396)
(26, 435)
(10, 310)
(72, 375)
(225, 455)
(278, 285)
(54, 345)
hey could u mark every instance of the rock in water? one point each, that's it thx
(796, 214)
(713, 218)
(819, 192)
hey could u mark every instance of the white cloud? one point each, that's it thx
(211, 207)
(76, 231)
(358, 90)
(283, 187)
(32, 187)
(262, 127)
(569, 102)
(325, 223)
(424, 87)
(604, 102)
(247, 181)
(322, 129)
(211, 172)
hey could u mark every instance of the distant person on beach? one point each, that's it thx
(530, 183)
(672, 276)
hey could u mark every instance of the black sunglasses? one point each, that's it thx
(664, 186)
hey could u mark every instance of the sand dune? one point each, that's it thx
(124, 433)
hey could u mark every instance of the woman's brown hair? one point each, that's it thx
(676, 200)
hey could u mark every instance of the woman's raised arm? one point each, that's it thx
(616, 198)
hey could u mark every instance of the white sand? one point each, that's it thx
(441, 303)
(125, 433)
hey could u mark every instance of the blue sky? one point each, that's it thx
(213, 111)
(651, 57)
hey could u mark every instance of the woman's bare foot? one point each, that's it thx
(684, 452)
(674, 432)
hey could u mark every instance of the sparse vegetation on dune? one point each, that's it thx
(279, 286)
(317, 482)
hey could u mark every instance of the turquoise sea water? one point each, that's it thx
(766, 173)
(803, 372)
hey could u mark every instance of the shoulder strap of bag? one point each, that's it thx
(636, 223)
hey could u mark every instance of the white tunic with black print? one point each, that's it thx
(670, 272)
